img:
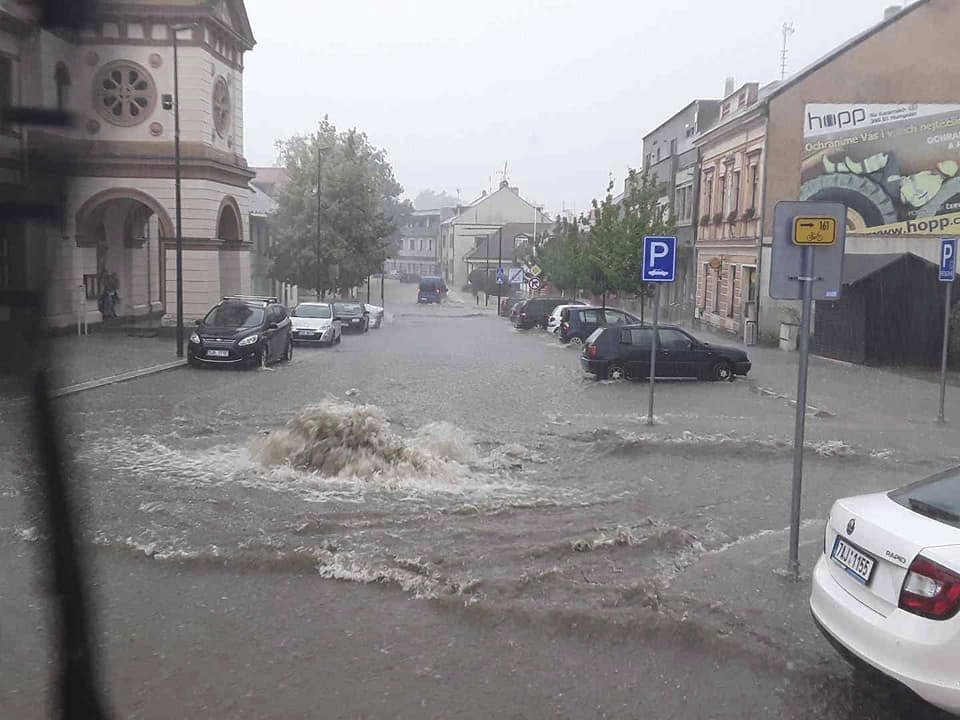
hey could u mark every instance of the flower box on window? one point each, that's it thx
(717, 218)
(704, 219)
(732, 217)
(749, 213)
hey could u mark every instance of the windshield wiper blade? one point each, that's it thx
(932, 511)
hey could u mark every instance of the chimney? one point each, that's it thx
(504, 184)
(891, 11)
(729, 85)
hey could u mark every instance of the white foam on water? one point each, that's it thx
(411, 575)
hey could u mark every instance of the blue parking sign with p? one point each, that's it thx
(948, 259)
(659, 259)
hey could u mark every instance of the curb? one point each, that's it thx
(113, 379)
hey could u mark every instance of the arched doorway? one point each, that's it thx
(122, 231)
(230, 234)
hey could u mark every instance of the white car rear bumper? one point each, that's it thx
(922, 654)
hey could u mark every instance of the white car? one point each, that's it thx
(313, 322)
(376, 315)
(886, 590)
(553, 322)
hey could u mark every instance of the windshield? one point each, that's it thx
(937, 497)
(312, 311)
(234, 315)
(490, 488)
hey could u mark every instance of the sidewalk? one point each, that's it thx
(79, 363)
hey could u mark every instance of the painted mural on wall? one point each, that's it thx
(895, 167)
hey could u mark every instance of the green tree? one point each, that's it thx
(359, 210)
(618, 228)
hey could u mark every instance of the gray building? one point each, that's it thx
(417, 247)
(670, 158)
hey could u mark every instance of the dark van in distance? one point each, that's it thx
(432, 289)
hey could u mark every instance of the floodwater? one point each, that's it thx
(476, 471)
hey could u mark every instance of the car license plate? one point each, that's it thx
(218, 353)
(856, 562)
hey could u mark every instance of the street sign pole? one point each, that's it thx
(653, 350)
(943, 359)
(499, 267)
(806, 279)
(948, 275)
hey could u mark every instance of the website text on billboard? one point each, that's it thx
(895, 167)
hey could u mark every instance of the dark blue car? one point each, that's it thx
(432, 290)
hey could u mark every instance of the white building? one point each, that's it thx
(460, 234)
(115, 167)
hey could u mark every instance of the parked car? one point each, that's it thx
(623, 352)
(553, 322)
(313, 322)
(432, 290)
(577, 324)
(515, 308)
(886, 590)
(376, 315)
(353, 316)
(252, 331)
(535, 312)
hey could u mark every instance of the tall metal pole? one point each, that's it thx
(486, 276)
(499, 265)
(943, 356)
(383, 271)
(653, 350)
(806, 279)
(319, 175)
(368, 288)
(176, 163)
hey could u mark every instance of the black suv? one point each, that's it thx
(577, 324)
(252, 331)
(535, 312)
(624, 352)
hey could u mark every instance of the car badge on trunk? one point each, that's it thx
(851, 526)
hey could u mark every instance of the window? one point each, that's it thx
(590, 317)
(4, 262)
(430, 244)
(658, 154)
(735, 193)
(221, 105)
(716, 290)
(732, 290)
(91, 286)
(674, 340)
(6, 85)
(707, 193)
(125, 93)
(61, 77)
(673, 146)
(706, 279)
(614, 317)
(723, 193)
(754, 184)
(748, 279)
(638, 337)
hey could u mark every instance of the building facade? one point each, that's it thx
(671, 159)
(461, 234)
(114, 169)
(418, 246)
(728, 235)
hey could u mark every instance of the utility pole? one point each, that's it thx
(499, 265)
(319, 176)
(788, 30)
(176, 30)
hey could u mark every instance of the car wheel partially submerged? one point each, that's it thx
(576, 340)
(616, 372)
(722, 370)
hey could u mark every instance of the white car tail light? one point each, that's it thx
(930, 590)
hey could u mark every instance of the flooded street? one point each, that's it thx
(537, 550)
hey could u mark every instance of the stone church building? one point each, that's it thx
(114, 168)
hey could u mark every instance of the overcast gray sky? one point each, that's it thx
(562, 90)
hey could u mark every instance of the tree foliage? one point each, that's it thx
(359, 210)
(603, 250)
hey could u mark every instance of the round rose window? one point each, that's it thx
(124, 93)
(221, 105)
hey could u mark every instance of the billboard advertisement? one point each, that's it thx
(895, 167)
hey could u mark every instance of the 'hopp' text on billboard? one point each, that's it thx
(895, 167)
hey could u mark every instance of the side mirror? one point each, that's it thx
(272, 326)
(198, 323)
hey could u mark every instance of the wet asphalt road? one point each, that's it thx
(491, 534)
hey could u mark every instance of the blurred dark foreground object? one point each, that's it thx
(78, 693)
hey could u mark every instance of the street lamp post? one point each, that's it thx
(176, 163)
(319, 176)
